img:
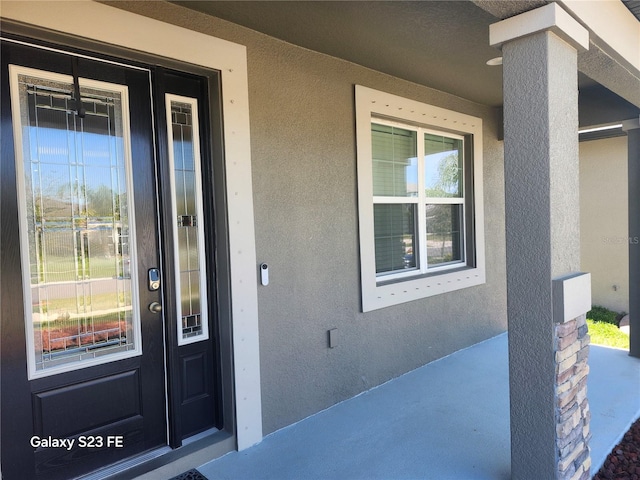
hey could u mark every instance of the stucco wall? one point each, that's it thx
(305, 191)
(604, 220)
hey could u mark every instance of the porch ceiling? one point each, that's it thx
(441, 44)
(633, 6)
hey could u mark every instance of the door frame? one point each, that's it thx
(204, 86)
(237, 275)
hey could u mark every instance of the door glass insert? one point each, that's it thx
(186, 187)
(76, 214)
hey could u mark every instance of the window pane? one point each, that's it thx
(188, 221)
(444, 234)
(443, 166)
(395, 236)
(78, 228)
(395, 162)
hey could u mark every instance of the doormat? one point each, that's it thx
(192, 474)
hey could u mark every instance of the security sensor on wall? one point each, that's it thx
(264, 274)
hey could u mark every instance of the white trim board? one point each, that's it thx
(549, 17)
(129, 30)
(612, 22)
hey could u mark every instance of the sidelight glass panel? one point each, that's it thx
(188, 213)
(75, 195)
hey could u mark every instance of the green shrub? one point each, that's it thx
(601, 314)
(608, 335)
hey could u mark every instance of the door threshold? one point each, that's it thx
(199, 436)
(117, 468)
(165, 462)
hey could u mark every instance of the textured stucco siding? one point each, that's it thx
(543, 232)
(306, 218)
(604, 219)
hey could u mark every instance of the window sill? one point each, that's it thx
(394, 292)
(417, 275)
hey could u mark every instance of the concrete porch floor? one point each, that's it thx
(446, 420)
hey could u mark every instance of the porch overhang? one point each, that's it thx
(445, 31)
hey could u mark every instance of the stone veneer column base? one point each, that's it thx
(572, 408)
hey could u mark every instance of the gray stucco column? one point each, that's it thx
(632, 127)
(546, 297)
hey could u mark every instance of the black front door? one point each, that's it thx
(83, 339)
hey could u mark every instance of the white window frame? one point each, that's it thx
(421, 201)
(379, 291)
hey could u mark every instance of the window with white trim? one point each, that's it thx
(420, 199)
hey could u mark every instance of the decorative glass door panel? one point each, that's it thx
(186, 188)
(76, 217)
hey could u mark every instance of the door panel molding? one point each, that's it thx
(56, 463)
(121, 389)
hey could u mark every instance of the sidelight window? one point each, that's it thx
(188, 226)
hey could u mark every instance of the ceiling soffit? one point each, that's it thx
(604, 66)
(441, 44)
